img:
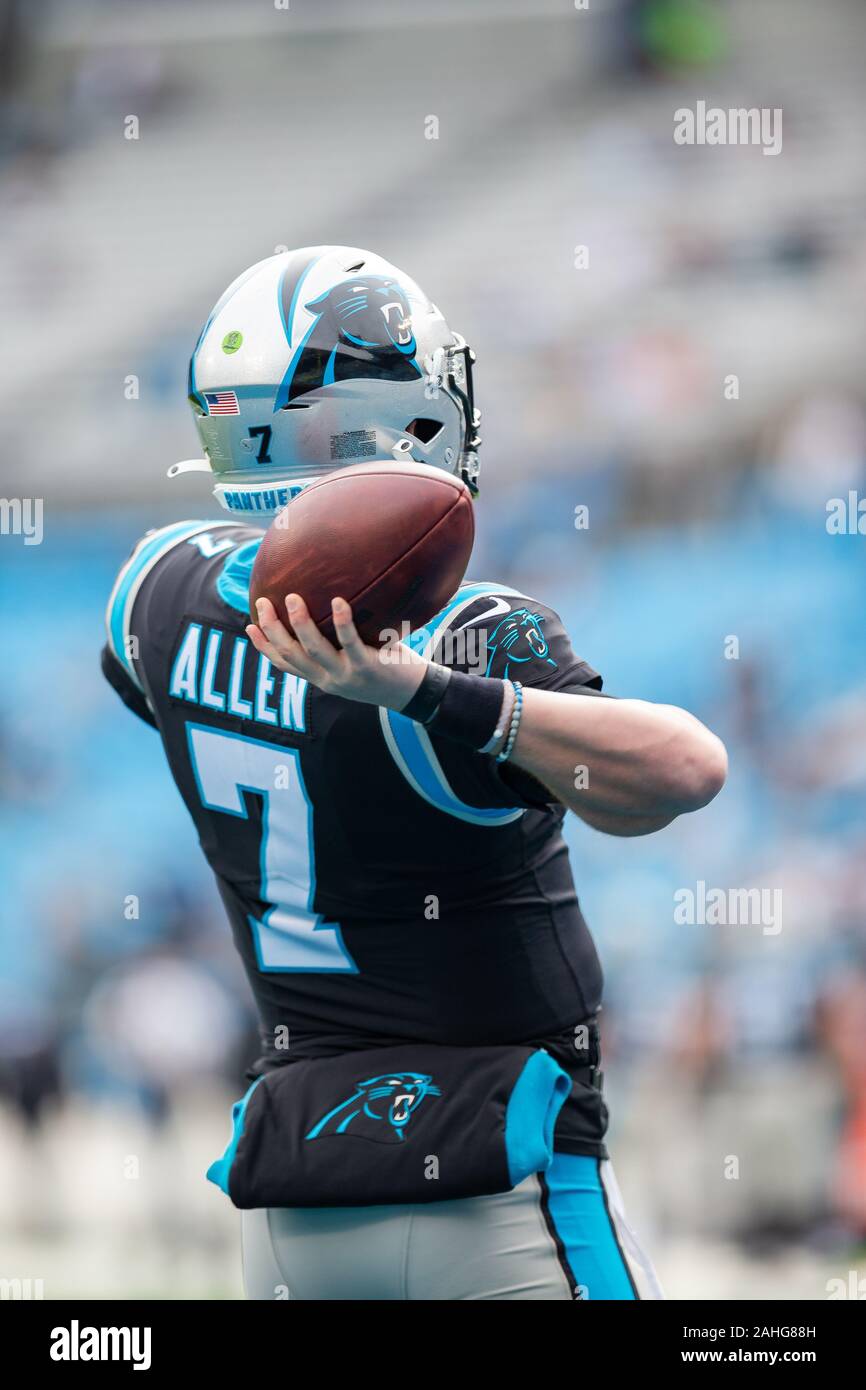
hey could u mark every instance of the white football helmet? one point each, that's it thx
(322, 357)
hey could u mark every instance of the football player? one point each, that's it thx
(409, 882)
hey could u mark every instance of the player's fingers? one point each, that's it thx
(313, 642)
(277, 633)
(284, 661)
(347, 633)
(272, 626)
(262, 645)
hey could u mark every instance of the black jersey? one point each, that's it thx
(381, 883)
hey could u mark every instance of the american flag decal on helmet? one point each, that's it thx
(222, 403)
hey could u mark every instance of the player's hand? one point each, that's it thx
(387, 675)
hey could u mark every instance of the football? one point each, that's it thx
(393, 539)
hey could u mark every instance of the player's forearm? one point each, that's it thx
(625, 766)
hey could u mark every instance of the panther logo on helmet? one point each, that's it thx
(362, 328)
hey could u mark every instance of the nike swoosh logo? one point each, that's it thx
(500, 605)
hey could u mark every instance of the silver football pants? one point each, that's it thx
(560, 1235)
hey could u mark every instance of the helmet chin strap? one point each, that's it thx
(188, 466)
(469, 470)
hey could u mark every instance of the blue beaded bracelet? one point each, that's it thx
(516, 711)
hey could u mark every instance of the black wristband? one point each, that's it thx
(427, 697)
(469, 710)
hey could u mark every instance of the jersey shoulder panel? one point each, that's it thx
(493, 630)
(167, 570)
(487, 629)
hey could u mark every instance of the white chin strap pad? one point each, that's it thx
(258, 499)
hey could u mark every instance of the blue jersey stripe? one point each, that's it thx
(410, 744)
(414, 755)
(149, 551)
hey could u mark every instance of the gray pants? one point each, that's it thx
(559, 1236)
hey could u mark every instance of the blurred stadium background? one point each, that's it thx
(123, 1038)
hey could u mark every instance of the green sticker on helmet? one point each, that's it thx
(232, 341)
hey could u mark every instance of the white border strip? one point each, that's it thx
(639, 1265)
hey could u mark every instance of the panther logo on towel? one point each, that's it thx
(380, 1108)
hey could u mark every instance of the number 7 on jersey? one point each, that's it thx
(290, 936)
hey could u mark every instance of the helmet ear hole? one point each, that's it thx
(424, 430)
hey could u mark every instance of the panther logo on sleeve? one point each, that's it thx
(380, 1108)
(362, 328)
(518, 638)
